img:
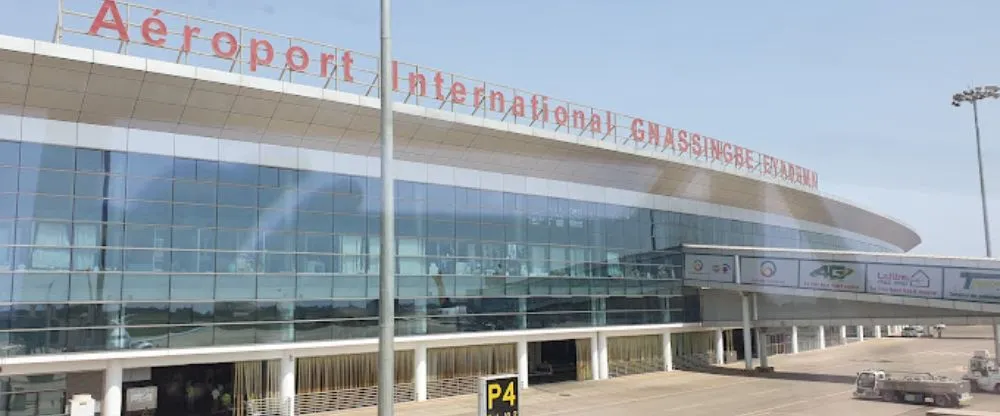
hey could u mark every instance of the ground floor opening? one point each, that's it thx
(553, 361)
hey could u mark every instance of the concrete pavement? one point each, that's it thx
(815, 383)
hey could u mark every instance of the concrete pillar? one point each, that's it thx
(720, 348)
(747, 341)
(668, 352)
(843, 334)
(522, 316)
(111, 403)
(522, 363)
(287, 386)
(878, 331)
(821, 336)
(996, 340)
(595, 358)
(420, 372)
(795, 340)
(762, 347)
(602, 355)
(861, 333)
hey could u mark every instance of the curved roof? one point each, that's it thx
(76, 84)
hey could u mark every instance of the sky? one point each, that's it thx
(856, 90)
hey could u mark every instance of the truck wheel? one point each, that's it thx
(888, 396)
(942, 400)
(996, 389)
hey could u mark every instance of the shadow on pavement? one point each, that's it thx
(780, 375)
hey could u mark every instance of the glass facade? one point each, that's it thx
(112, 250)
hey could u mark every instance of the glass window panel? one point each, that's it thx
(243, 196)
(314, 287)
(97, 260)
(195, 215)
(208, 170)
(195, 192)
(315, 222)
(146, 165)
(192, 287)
(275, 286)
(288, 178)
(48, 156)
(9, 152)
(238, 262)
(192, 261)
(145, 287)
(147, 236)
(95, 286)
(277, 241)
(149, 189)
(99, 185)
(147, 260)
(315, 243)
(45, 206)
(232, 217)
(278, 263)
(185, 169)
(40, 287)
(234, 287)
(238, 173)
(268, 176)
(350, 286)
(8, 205)
(315, 263)
(313, 181)
(273, 219)
(193, 238)
(242, 240)
(46, 181)
(349, 224)
(321, 202)
(8, 179)
(104, 210)
(143, 212)
(349, 204)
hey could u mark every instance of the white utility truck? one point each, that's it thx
(983, 373)
(909, 387)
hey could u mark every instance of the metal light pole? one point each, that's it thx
(973, 96)
(386, 277)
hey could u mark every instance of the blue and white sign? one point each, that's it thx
(769, 272)
(708, 267)
(981, 285)
(916, 281)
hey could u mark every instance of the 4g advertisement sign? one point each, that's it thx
(499, 396)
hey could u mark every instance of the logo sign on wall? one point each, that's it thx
(971, 284)
(831, 275)
(706, 267)
(887, 279)
(769, 272)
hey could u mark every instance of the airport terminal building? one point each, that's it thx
(192, 208)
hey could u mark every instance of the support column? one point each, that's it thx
(821, 336)
(861, 333)
(761, 337)
(878, 331)
(747, 342)
(522, 316)
(287, 389)
(111, 403)
(795, 340)
(595, 358)
(420, 372)
(720, 348)
(996, 340)
(668, 352)
(843, 334)
(602, 355)
(522, 363)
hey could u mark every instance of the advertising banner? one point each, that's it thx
(832, 275)
(707, 267)
(917, 281)
(769, 272)
(971, 284)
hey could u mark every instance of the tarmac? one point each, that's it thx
(813, 383)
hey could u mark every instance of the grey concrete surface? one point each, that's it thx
(815, 383)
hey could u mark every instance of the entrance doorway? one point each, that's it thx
(191, 390)
(736, 338)
(552, 361)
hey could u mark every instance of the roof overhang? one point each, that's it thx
(46, 80)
